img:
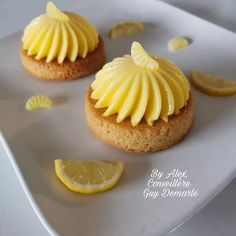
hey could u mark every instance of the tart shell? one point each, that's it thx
(141, 138)
(67, 70)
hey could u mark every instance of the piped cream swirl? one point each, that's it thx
(141, 92)
(59, 35)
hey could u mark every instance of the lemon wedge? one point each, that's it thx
(177, 43)
(38, 102)
(86, 176)
(213, 85)
(54, 12)
(142, 58)
(124, 28)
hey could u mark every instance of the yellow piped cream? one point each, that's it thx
(59, 35)
(140, 87)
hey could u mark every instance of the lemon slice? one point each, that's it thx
(177, 43)
(54, 12)
(88, 176)
(213, 85)
(142, 58)
(124, 28)
(38, 102)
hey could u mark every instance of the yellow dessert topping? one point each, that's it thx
(124, 28)
(85, 176)
(38, 102)
(140, 87)
(177, 43)
(59, 35)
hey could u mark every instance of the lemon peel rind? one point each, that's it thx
(211, 90)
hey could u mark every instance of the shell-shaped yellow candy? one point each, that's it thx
(38, 102)
(88, 176)
(54, 12)
(124, 28)
(142, 58)
(177, 43)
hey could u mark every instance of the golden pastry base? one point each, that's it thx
(141, 138)
(67, 70)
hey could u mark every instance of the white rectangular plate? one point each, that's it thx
(208, 152)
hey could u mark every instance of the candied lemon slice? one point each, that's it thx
(177, 43)
(88, 176)
(124, 28)
(142, 58)
(54, 12)
(213, 85)
(38, 102)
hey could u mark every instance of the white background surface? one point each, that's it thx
(16, 215)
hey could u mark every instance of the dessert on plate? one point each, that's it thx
(139, 103)
(61, 46)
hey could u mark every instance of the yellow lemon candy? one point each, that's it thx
(88, 176)
(125, 28)
(54, 12)
(177, 43)
(213, 85)
(38, 102)
(142, 58)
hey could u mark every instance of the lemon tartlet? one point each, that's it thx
(61, 46)
(139, 103)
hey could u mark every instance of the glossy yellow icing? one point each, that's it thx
(59, 35)
(154, 89)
